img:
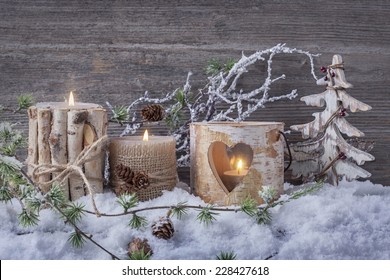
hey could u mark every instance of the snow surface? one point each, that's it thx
(351, 221)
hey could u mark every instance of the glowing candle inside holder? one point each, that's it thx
(58, 132)
(152, 155)
(238, 172)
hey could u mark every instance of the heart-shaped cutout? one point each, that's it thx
(229, 164)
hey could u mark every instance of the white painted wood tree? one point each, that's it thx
(327, 153)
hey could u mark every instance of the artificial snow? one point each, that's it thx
(350, 221)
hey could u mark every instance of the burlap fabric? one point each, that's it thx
(156, 158)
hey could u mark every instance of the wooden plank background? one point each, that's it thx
(115, 50)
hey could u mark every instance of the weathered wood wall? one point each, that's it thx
(115, 50)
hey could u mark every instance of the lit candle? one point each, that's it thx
(71, 99)
(153, 155)
(58, 132)
(239, 171)
(146, 136)
(239, 166)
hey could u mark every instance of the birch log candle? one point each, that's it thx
(58, 132)
(233, 161)
(143, 165)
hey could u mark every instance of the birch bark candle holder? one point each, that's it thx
(58, 132)
(155, 157)
(233, 161)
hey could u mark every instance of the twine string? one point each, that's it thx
(89, 153)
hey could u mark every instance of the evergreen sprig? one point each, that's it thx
(249, 206)
(24, 101)
(140, 255)
(5, 194)
(263, 216)
(226, 256)
(214, 66)
(138, 222)
(128, 201)
(28, 218)
(56, 195)
(74, 212)
(120, 114)
(34, 204)
(76, 239)
(180, 210)
(206, 216)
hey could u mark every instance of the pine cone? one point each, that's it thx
(137, 244)
(153, 113)
(163, 228)
(140, 180)
(124, 173)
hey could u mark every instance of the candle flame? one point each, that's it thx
(146, 136)
(71, 99)
(239, 166)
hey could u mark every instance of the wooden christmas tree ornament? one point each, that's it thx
(327, 153)
(232, 161)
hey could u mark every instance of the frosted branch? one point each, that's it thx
(221, 89)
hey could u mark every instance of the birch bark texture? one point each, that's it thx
(217, 147)
(57, 135)
(326, 153)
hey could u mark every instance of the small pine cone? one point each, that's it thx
(163, 228)
(137, 244)
(140, 180)
(153, 113)
(124, 173)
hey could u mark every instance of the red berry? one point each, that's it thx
(326, 78)
(342, 114)
(323, 69)
(333, 74)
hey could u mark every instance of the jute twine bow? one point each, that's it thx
(89, 153)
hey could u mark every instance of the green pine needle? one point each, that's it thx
(24, 101)
(120, 114)
(228, 65)
(226, 256)
(28, 218)
(140, 255)
(263, 216)
(249, 206)
(74, 212)
(213, 67)
(5, 194)
(34, 204)
(76, 239)
(180, 210)
(174, 116)
(138, 222)
(128, 201)
(181, 97)
(56, 195)
(206, 216)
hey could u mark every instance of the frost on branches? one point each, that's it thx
(221, 89)
(327, 154)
